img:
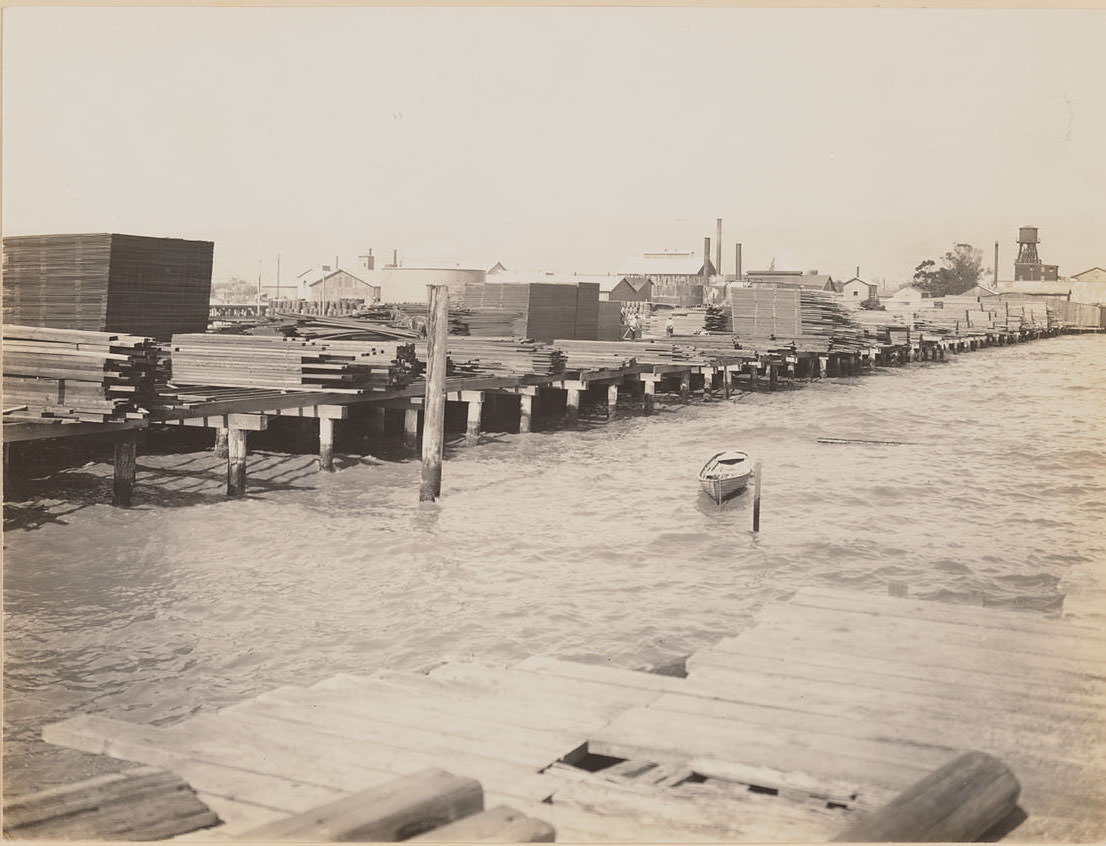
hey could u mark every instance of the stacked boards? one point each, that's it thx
(94, 377)
(108, 283)
(540, 311)
(814, 321)
(506, 355)
(291, 363)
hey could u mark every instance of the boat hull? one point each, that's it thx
(720, 489)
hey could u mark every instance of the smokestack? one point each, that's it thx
(996, 265)
(737, 263)
(395, 258)
(718, 250)
(706, 255)
(858, 271)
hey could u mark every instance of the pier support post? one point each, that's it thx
(773, 377)
(433, 429)
(753, 367)
(525, 412)
(411, 427)
(236, 462)
(220, 450)
(572, 406)
(725, 381)
(326, 444)
(685, 386)
(126, 453)
(475, 400)
(648, 395)
(821, 365)
(612, 400)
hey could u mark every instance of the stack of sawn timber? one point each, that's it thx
(94, 377)
(290, 363)
(811, 320)
(108, 282)
(506, 355)
(545, 310)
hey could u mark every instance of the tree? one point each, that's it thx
(961, 269)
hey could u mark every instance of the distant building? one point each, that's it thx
(630, 289)
(792, 279)
(498, 267)
(978, 291)
(1035, 287)
(856, 290)
(1093, 274)
(677, 277)
(1028, 266)
(1089, 286)
(326, 284)
(906, 296)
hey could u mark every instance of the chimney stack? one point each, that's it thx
(395, 258)
(996, 265)
(718, 249)
(706, 255)
(737, 263)
(858, 271)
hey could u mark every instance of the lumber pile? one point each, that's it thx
(685, 321)
(291, 363)
(143, 803)
(108, 283)
(811, 320)
(610, 325)
(595, 355)
(95, 377)
(504, 355)
(540, 311)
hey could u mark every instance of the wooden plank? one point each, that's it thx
(945, 612)
(617, 677)
(501, 824)
(38, 431)
(972, 693)
(142, 804)
(661, 736)
(463, 719)
(442, 737)
(1055, 639)
(394, 811)
(238, 763)
(894, 667)
(958, 803)
(319, 756)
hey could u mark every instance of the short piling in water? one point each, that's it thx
(475, 401)
(126, 452)
(326, 444)
(411, 428)
(572, 406)
(220, 449)
(236, 462)
(433, 428)
(756, 498)
(612, 400)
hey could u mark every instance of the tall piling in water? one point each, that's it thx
(433, 427)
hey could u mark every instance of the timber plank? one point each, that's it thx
(1020, 622)
(1073, 655)
(497, 825)
(965, 696)
(660, 736)
(442, 737)
(315, 754)
(398, 709)
(615, 676)
(893, 668)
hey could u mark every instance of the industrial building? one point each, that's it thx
(1028, 266)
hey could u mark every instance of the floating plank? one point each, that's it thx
(141, 804)
(498, 825)
(393, 811)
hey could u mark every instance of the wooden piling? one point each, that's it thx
(685, 386)
(326, 444)
(433, 427)
(773, 377)
(411, 427)
(572, 406)
(725, 381)
(236, 462)
(612, 401)
(958, 803)
(649, 390)
(753, 367)
(756, 498)
(525, 412)
(472, 423)
(220, 449)
(126, 452)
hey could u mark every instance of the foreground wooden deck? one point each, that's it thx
(828, 706)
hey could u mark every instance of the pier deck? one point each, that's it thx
(828, 706)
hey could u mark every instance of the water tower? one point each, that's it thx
(1028, 266)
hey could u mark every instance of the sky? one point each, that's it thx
(566, 139)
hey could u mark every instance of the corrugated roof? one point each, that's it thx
(315, 275)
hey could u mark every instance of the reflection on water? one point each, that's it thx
(592, 544)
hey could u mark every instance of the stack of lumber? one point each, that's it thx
(610, 326)
(347, 327)
(718, 319)
(504, 355)
(1077, 315)
(290, 363)
(811, 320)
(541, 311)
(94, 377)
(685, 321)
(486, 322)
(108, 283)
(595, 355)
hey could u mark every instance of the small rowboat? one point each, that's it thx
(725, 474)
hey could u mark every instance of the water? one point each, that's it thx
(592, 544)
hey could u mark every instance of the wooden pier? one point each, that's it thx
(830, 705)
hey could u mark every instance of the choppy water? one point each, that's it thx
(590, 544)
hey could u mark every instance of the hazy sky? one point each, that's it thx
(565, 138)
